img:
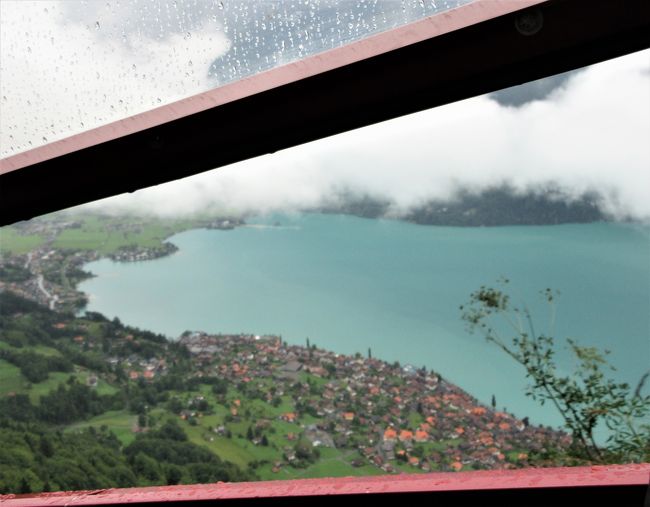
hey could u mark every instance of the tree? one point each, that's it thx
(46, 447)
(173, 474)
(25, 487)
(175, 405)
(146, 467)
(584, 399)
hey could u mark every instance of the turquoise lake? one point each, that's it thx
(350, 284)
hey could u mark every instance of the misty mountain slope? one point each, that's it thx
(492, 207)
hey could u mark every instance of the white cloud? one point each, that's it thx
(589, 135)
(62, 74)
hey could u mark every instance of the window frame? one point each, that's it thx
(467, 51)
(596, 485)
(457, 54)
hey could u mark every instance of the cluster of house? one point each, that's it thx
(225, 224)
(48, 264)
(142, 253)
(46, 227)
(134, 365)
(141, 368)
(390, 413)
(45, 285)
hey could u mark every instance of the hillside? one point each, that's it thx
(493, 207)
(127, 407)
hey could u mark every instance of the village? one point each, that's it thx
(384, 416)
(392, 415)
(42, 259)
(48, 276)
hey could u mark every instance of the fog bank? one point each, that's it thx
(589, 135)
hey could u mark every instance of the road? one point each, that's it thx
(52, 299)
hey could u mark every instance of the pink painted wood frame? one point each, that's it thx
(524, 479)
(432, 26)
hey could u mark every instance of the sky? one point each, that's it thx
(70, 66)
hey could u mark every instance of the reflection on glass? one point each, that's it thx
(299, 315)
(71, 66)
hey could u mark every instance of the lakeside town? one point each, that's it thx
(276, 409)
(42, 260)
(279, 408)
(390, 414)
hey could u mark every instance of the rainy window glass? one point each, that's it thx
(68, 66)
(465, 288)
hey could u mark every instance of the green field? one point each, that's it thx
(11, 380)
(119, 422)
(332, 463)
(109, 234)
(223, 447)
(14, 243)
(97, 232)
(238, 450)
(39, 349)
(53, 380)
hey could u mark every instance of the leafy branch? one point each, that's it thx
(584, 399)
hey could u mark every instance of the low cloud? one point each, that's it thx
(588, 135)
(580, 132)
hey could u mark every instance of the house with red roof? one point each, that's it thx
(405, 436)
(390, 435)
(289, 417)
(421, 436)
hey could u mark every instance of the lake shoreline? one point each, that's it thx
(473, 351)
